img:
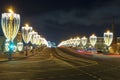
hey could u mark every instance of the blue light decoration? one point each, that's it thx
(11, 47)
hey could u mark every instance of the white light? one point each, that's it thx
(33, 37)
(93, 40)
(108, 38)
(10, 25)
(19, 46)
(7, 47)
(26, 34)
(84, 41)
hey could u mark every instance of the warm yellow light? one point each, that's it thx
(77, 37)
(10, 10)
(108, 31)
(26, 25)
(93, 39)
(93, 34)
(84, 37)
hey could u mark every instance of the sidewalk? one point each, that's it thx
(15, 56)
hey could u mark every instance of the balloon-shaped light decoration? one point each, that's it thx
(26, 30)
(72, 42)
(26, 34)
(33, 37)
(93, 40)
(77, 41)
(84, 41)
(108, 38)
(19, 46)
(43, 42)
(10, 24)
(37, 39)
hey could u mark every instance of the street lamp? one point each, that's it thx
(93, 40)
(33, 40)
(78, 41)
(84, 41)
(37, 39)
(43, 42)
(33, 37)
(26, 30)
(108, 38)
(10, 26)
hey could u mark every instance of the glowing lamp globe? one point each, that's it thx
(93, 40)
(33, 37)
(108, 38)
(84, 41)
(10, 24)
(26, 33)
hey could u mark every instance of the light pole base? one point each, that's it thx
(9, 57)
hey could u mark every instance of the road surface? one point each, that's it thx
(60, 64)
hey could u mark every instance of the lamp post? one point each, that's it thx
(33, 40)
(84, 41)
(108, 38)
(26, 30)
(78, 41)
(10, 26)
(43, 42)
(33, 37)
(93, 40)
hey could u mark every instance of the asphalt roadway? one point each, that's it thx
(60, 64)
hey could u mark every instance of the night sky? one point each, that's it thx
(58, 20)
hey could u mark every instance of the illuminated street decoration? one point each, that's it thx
(37, 39)
(72, 42)
(108, 38)
(10, 26)
(19, 46)
(26, 30)
(26, 33)
(84, 41)
(33, 37)
(77, 41)
(43, 41)
(7, 45)
(93, 40)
